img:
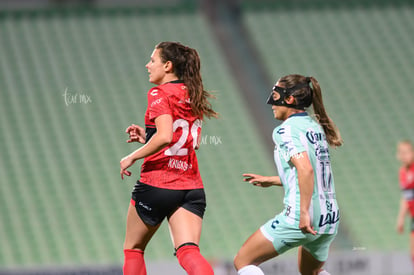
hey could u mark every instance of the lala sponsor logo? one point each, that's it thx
(329, 218)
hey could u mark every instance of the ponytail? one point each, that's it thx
(311, 94)
(192, 79)
(187, 67)
(331, 131)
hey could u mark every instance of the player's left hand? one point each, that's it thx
(125, 163)
(136, 134)
(305, 224)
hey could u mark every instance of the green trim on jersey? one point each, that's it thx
(300, 133)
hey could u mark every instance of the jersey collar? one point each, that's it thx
(299, 114)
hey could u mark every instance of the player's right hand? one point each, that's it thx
(136, 134)
(305, 224)
(258, 180)
(125, 163)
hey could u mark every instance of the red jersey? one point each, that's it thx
(175, 166)
(407, 186)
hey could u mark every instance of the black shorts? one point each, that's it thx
(153, 204)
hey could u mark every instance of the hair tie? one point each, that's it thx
(308, 79)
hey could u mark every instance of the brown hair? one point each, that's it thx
(331, 131)
(186, 66)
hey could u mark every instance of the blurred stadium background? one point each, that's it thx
(72, 78)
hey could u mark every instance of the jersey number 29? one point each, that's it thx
(177, 148)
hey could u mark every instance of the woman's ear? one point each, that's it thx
(290, 99)
(168, 67)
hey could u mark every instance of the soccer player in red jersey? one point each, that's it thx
(405, 154)
(170, 185)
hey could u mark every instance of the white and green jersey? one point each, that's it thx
(300, 133)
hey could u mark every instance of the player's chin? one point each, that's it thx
(275, 114)
(153, 80)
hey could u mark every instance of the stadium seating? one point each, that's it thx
(72, 81)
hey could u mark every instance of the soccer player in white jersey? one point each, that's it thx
(310, 217)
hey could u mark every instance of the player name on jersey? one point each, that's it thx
(179, 164)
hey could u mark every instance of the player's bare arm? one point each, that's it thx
(305, 179)
(159, 140)
(262, 181)
(402, 213)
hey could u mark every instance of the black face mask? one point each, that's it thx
(278, 95)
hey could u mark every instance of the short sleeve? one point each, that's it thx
(158, 104)
(287, 140)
